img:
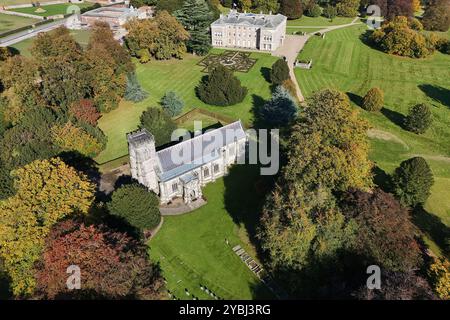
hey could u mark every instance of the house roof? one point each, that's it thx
(193, 153)
(251, 19)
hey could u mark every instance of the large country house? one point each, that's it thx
(206, 157)
(264, 32)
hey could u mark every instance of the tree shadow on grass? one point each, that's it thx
(356, 99)
(394, 116)
(437, 93)
(245, 192)
(258, 102)
(265, 72)
(382, 179)
(433, 227)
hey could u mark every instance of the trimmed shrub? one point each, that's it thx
(138, 206)
(221, 88)
(159, 123)
(373, 100)
(412, 181)
(172, 104)
(418, 119)
(279, 72)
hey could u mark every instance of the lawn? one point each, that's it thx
(343, 61)
(52, 9)
(180, 76)
(81, 36)
(319, 21)
(9, 22)
(191, 248)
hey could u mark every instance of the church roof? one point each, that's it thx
(251, 19)
(193, 153)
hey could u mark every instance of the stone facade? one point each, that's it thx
(116, 17)
(265, 32)
(205, 158)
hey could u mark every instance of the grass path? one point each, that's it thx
(343, 61)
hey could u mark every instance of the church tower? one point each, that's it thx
(141, 146)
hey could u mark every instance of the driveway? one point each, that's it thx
(290, 49)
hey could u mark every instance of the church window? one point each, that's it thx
(206, 172)
(175, 187)
(216, 168)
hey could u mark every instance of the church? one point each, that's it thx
(181, 170)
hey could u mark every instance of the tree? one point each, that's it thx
(162, 37)
(196, 17)
(439, 274)
(134, 91)
(348, 8)
(72, 138)
(416, 5)
(396, 37)
(292, 9)
(112, 265)
(279, 72)
(437, 16)
(301, 227)
(266, 6)
(419, 118)
(373, 100)
(330, 12)
(394, 8)
(386, 235)
(169, 5)
(398, 286)
(244, 5)
(172, 104)
(280, 110)
(84, 110)
(159, 124)
(62, 68)
(221, 88)
(138, 206)
(6, 183)
(314, 11)
(109, 65)
(46, 192)
(412, 181)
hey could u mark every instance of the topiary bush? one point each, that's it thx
(418, 119)
(412, 181)
(159, 124)
(373, 100)
(138, 206)
(221, 88)
(279, 72)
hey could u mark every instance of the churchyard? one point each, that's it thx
(124, 119)
(342, 60)
(193, 251)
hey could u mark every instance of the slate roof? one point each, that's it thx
(199, 150)
(251, 19)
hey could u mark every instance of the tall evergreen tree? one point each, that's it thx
(413, 181)
(280, 110)
(196, 17)
(134, 91)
